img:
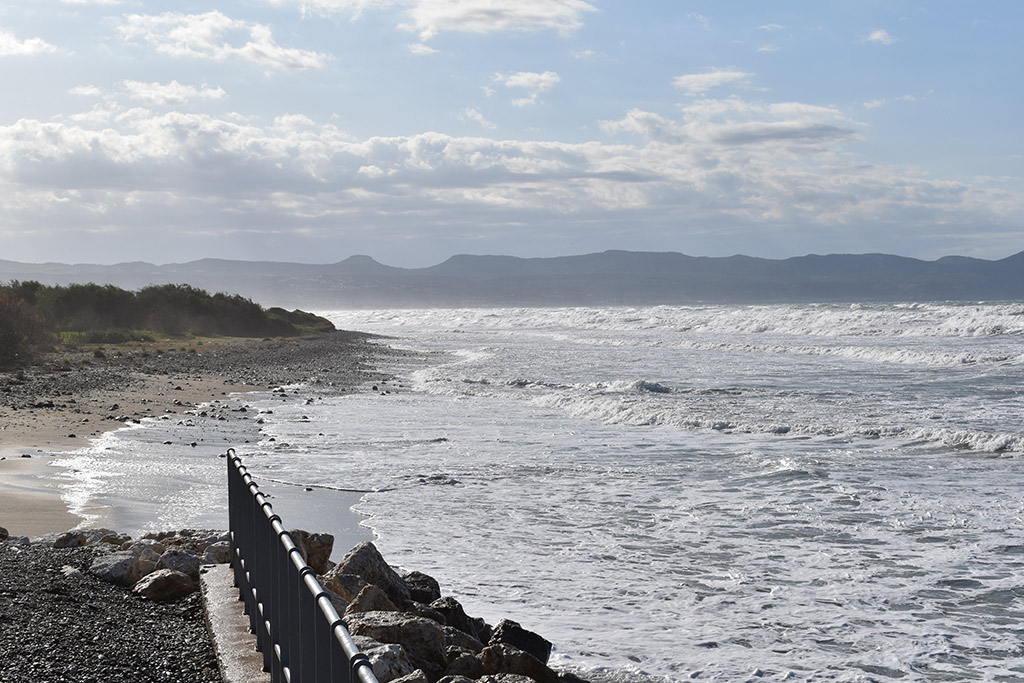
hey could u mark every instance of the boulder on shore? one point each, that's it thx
(164, 585)
(422, 639)
(370, 599)
(365, 560)
(181, 561)
(510, 632)
(120, 567)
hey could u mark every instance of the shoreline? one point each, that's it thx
(47, 415)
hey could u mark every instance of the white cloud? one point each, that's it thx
(880, 36)
(768, 48)
(428, 18)
(535, 83)
(747, 165)
(11, 46)
(91, 2)
(473, 114)
(701, 20)
(697, 84)
(170, 94)
(874, 104)
(422, 49)
(216, 36)
(653, 126)
(85, 91)
(770, 27)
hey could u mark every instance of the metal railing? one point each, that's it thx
(297, 629)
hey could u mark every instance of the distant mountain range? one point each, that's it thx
(608, 278)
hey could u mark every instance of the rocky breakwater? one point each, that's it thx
(161, 566)
(413, 634)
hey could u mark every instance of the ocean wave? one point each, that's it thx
(614, 408)
(814, 320)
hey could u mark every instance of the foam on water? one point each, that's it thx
(715, 493)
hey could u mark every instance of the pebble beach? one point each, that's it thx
(58, 622)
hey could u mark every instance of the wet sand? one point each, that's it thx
(45, 413)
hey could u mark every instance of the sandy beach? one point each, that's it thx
(44, 413)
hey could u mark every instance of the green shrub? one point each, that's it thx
(104, 314)
(22, 334)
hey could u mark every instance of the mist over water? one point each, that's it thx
(714, 493)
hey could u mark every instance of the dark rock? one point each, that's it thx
(456, 617)
(366, 561)
(109, 536)
(416, 676)
(467, 665)
(422, 588)
(70, 539)
(164, 585)
(421, 610)
(502, 658)
(181, 561)
(120, 568)
(566, 677)
(3, 534)
(453, 637)
(344, 585)
(422, 639)
(371, 599)
(315, 548)
(513, 634)
(218, 553)
(456, 679)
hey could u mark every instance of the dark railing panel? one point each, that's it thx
(301, 636)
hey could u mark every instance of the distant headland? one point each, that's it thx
(606, 278)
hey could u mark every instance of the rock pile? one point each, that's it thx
(410, 632)
(413, 634)
(160, 566)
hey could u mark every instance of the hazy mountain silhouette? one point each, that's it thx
(607, 278)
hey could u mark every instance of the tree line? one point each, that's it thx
(34, 316)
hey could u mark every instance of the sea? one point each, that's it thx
(828, 492)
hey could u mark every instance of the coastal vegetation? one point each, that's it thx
(35, 317)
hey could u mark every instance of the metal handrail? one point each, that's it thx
(301, 636)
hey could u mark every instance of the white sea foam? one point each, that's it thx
(721, 493)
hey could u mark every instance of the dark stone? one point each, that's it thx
(506, 659)
(315, 548)
(422, 588)
(181, 561)
(467, 665)
(371, 599)
(453, 637)
(425, 611)
(164, 585)
(513, 634)
(422, 639)
(366, 561)
(456, 617)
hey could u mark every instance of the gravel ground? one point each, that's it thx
(340, 358)
(57, 626)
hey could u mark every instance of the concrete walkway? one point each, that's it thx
(229, 627)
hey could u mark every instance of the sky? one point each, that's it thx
(413, 130)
